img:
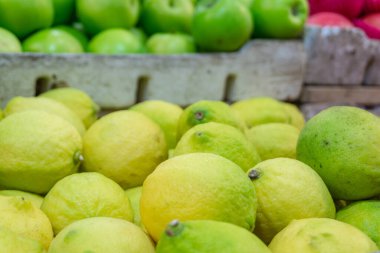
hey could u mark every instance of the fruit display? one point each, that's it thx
(362, 14)
(210, 177)
(172, 27)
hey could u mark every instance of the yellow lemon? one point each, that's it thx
(125, 146)
(20, 104)
(85, 195)
(274, 140)
(220, 139)
(208, 111)
(22, 217)
(36, 150)
(101, 234)
(165, 114)
(77, 101)
(34, 198)
(296, 117)
(321, 235)
(287, 189)
(14, 243)
(197, 186)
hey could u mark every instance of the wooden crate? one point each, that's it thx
(260, 68)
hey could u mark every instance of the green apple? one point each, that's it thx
(22, 17)
(99, 15)
(80, 36)
(115, 41)
(166, 43)
(52, 41)
(9, 43)
(63, 11)
(167, 16)
(221, 25)
(281, 19)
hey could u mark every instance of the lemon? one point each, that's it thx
(77, 101)
(14, 243)
(262, 110)
(287, 189)
(208, 236)
(36, 150)
(342, 144)
(1, 114)
(9, 43)
(274, 140)
(22, 217)
(208, 111)
(197, 186)
(19, 104)
(101, 234)
(34, 198)
(365, 215)
(165, 114)
(296, 117)
(134, 195)
(321, 235)
(125, 146)
(85, 195)
(220, 139)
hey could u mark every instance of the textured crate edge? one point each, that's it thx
(341, 56)
(261, 68)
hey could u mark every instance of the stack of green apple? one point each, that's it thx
(145, 26)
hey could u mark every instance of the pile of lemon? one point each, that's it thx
(250, 177)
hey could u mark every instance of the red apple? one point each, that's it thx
(329, 19)
(371, 6)
(348, 8)
(370, 24)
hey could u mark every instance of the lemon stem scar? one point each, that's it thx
(174, 228)
(78, 157)
(254, 174)
(199, 115)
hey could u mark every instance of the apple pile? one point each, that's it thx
(363, 14)
(146, 26)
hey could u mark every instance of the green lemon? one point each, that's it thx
(52, 41)
(134, 195)
(115, 41)
(125, 146)
(85, 195)
(197, 186)
(274, 140)
(165, 114)
(365, 215)
(36, 150)
(208, 236)
(20, 104)
(22, 217)
(34, 198)
(99, 15)
(342, 144)
(321, 235)
(262, 110)
(77, 101)
(208, 111)
(287, 189)
(24, 17)
(9, 43)
(15, 243)
(220, 139)
(139, 34)
(101, 234)
(296, 117)
(63, 11)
